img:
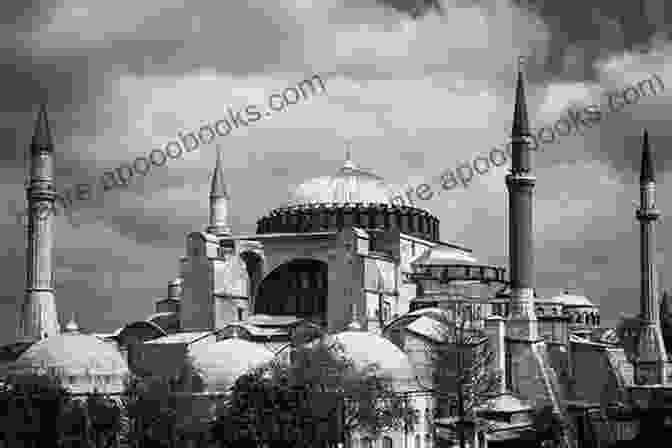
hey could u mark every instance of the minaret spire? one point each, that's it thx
(219, 201)
(520, 184)
(38, 318)
(652, 363)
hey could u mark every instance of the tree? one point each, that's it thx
(317, 399)
(31, 407)
(548, 427)
(104, 418)
(461, 365)
(75, 424)
(150, 404)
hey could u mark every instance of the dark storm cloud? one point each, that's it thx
(582, 31)
(625, 155)
(70, 80)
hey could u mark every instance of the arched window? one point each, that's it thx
(387, 442)
(418, 441)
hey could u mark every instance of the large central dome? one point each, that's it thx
(349, 185)
(353, 197)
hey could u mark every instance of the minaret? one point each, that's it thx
(219, 201)
(651, 364)
(38, 318)
(520, 183)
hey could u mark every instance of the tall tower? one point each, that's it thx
(520, 183)
(219, 201)
(651, 365)
(38, 318)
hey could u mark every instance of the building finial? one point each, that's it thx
(521, 64)
(647, 173)
(72, 326)
(348, 155)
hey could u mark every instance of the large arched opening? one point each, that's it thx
(296, 288)
(254, 266)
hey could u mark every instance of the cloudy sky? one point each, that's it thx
(418, 86)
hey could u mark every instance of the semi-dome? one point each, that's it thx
(365, 348)
(83, 362)
(350, 185)
(567, 299)
(220, 364)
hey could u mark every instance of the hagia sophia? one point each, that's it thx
(341, 258)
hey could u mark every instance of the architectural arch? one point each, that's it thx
(296, 288)
(254, 264)
(138, 332)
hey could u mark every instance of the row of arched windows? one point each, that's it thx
(576, 317)
(387, 442)
(314, 218)
(587, 318)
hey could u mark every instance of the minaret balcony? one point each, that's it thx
(461, 272)
(648, 213)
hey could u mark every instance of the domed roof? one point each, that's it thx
(72, 354)
(505, 403)
(168, 321)
(221, 363)
(350, 184)
(365, 348)
(443, 255)
(571, 300)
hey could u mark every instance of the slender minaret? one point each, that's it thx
(38, 318)
(651, 355)
(219, 201)
(520, 182)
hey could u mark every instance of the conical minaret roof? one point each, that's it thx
(218, 186)
(42, 133)
(647, 173)
(521, 125)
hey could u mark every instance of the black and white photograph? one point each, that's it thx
(336, 224)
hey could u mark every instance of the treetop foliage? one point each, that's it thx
(316, 398)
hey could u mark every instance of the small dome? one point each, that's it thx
(81, 361)
(221, 363)
(168, 321)
(349, 185)
(505, 403)
(365, 348)
(443, 255)
(568, 299)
